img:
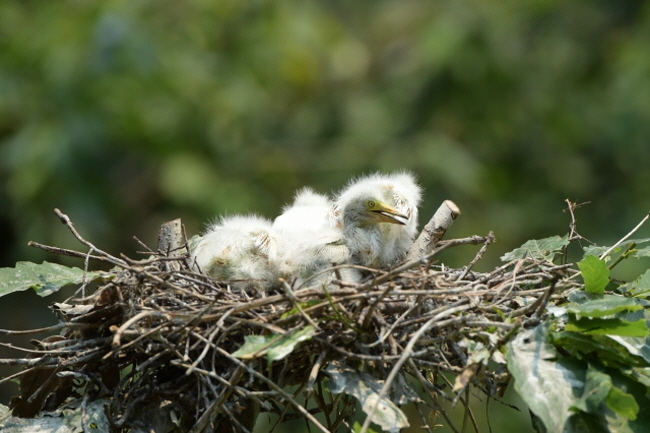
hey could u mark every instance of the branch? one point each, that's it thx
(433, 232)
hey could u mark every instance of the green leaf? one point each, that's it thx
(597, 387)
(597, 251)
(640, 287)
(274, 346)
(606, 305)
(366, 388)
(615, 326)
(45, 278)
(594, 273)
(547, 386)
(593, 250)
(643, 252)
(356, 428)
(635, 346)
(546, 249)
(622, 403)
(606, 348)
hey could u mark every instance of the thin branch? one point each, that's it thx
(624, 238)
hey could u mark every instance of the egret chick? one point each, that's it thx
(306, 242)
(237, 249)
(378, 217)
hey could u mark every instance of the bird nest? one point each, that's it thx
(157, 345)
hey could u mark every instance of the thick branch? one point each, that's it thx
(434, 231)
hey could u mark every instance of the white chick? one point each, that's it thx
(378, 217)
(236, 250)
(306, 242)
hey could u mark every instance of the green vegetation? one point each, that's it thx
(129, 114)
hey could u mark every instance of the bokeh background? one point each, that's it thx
(126, 114)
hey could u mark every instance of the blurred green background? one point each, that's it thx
(126, 114)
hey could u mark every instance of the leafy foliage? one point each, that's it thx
(274, 346)
(594, 273)
(45, 278)
(587, 367)
(542, 249)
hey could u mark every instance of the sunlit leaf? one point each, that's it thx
(643, 252)
(45, 278)
(635, 346)
(597, 251)
(274, 346)
(640, 287)
(622, 403)
(605, 305)
(594, 273)
(538, 249)
(548, 387)
(614, 326)
(603, 347)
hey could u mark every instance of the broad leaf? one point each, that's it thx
(549, 388)
(538, 249)
(635, 346)
(45, 278)
(365, 388)
(640, 287)
(643, 252)
(597, 251)
(615, 326)
(605, 305)
(607, 349)
(594, 273)
(622, 403)
(597, 387)
(274, 346)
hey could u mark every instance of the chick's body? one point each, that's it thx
(378, 217)
(307, 243)
(237, 249)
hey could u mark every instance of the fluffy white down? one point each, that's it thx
(237, 248)
(378, 244)
(306, 241)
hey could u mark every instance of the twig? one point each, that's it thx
(624, 238)
(66, 220)
(408, 350)
(295, 303)
(479, 255)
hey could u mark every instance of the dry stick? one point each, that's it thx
(66, 252)
(489, 239)
(371, 308)
(472, 240)
(214, 408)
(435, 229)
(294, 301)
(57, 327)
(118, 334)
(408, 350)
(66, 220)
(624, 238)
(313, 374)
(273, 386)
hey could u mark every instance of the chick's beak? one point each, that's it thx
(390, 215)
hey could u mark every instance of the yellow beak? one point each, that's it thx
(388, 214)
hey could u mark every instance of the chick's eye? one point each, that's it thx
(371, 204)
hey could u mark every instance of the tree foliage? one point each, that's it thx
(128, 114)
